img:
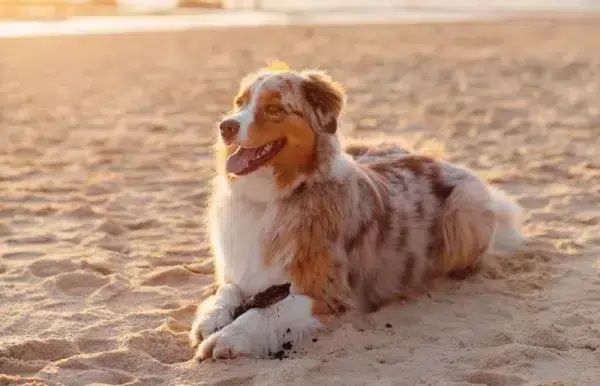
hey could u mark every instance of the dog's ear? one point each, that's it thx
(325, 97)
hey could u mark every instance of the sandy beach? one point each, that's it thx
(105, 159)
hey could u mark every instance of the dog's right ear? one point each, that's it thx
(325, 97)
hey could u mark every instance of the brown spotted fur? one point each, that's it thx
(359, 230)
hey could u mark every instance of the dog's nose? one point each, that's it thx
(229, 129)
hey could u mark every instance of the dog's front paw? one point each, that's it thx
(228, 343)
(208, 323)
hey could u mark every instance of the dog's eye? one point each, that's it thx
(239, 102)
(273, 110)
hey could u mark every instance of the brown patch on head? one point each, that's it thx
(267, 99)
(298, 155)
(275, 116)
(243, 94)
(325, 97)
(242, 98)
(286, 107)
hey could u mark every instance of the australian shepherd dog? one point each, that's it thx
(350, 231)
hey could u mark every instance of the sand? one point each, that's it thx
(105, 155)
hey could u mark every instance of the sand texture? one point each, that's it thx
(105, 155)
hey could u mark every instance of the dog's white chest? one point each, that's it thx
(239, 230)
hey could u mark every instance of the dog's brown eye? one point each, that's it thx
(239, 102)
(273, 109)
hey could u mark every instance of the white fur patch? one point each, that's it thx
(216, 312)
(341, 166)
(259, 332)
(239, 221)
(258, 186)
(246, 115)
(508, 237)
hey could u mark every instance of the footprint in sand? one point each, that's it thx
(13, 366)
(78, 283)
(515, 354)
(24, 255)
(115, 206)
(185, 314)
(38, 239)
(115, 244)
(111, 367)
(544, 337)
(198, 198)
(143, 224)
(574, 320)
(492, 378)
(97, 190)
(112, 227)
(163, 345)
(51, 267)
(84, 211)
(94, 345)
(497, 338)
(177, 326)
(32, 350)
(534, 202)
(172, 276)
(117, 285)
(90, 374)
(96, 266)
(5, 230)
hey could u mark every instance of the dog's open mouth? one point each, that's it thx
(247, 159)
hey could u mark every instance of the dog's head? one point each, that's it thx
(279, 118)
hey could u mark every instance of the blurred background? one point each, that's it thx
(106, 160)
(90, 16)
(56, 9)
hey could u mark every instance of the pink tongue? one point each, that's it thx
(240, 160)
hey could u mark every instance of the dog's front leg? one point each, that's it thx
(215, 312)
(261, 331)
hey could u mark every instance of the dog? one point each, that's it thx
(350, 230)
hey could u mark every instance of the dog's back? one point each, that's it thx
(428, 218)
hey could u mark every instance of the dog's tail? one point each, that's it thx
(508, 235)
(474, 220)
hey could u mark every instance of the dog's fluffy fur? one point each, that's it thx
(350, 230)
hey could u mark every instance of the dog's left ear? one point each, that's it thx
(325, 97)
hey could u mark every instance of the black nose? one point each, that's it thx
(229, 129)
